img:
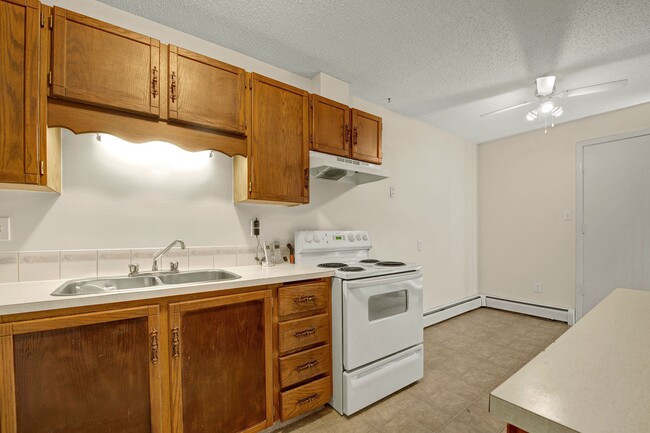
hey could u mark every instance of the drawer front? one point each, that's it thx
(305, 398)
(305, 298)
(299, 333)
(305, 365)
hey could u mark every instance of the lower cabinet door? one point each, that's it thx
(86, 373)
(221, 364)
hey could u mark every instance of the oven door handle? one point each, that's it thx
(389, 279)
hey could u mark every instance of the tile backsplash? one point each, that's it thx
(71, 264)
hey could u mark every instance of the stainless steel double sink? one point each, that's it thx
(152, 279)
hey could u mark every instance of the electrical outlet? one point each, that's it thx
(567, 215)
(538, 287)
(391, 192)
(5, 229)
(255, 227)
(419, 245)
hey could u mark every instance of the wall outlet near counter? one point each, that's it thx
(538, 287)
(5, 229)
(256, 228)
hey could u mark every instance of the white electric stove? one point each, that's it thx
(376, 317)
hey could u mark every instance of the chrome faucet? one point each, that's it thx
(160, 253)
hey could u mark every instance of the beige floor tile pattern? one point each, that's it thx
(465, 358)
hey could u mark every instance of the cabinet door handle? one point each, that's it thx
(306, 178)
(172, 87)
(154, 346)
(306, 365)
(355, 136)
(176, 343)
(154, 82)
(307, 298)
(346, 133)
(305, 333)
(309, 398)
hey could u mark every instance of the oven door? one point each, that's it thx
(381, 316)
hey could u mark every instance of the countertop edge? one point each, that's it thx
(523, 418)
(61, 302)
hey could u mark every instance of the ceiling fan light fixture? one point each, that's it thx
(531, 116)
(557, 111)
(546, 107)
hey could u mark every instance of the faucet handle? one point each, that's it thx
(134, 268)
(173, 266)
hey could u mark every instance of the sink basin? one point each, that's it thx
(197, 277)
(105, 285)
(90, 286)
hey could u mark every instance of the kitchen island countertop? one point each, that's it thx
(594, 379)
(33, 296)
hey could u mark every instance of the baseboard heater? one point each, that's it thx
(560, 314)
(440, 314)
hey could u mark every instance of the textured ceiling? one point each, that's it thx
(444, 62)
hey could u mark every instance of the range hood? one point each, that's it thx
(342, 169)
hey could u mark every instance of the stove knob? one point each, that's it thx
(308, 239)
(351, 237)
(365, 236)
(316, 238)
(358, 236)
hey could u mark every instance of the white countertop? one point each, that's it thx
(36, 295)
(594, 379)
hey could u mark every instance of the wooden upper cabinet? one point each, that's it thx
(221, 364)
(366, 137)
(329, 124)
(19, 91)
(101, 64)
(279, 146)
(206, 92)
(96, 372)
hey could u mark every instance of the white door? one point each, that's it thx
(381, 316)
(616, 240)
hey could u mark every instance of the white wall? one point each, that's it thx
(525, 184)
(112, 202)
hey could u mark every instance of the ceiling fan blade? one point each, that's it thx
(503, 110)
(596, 88)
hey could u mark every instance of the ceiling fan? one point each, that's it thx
(547, 99)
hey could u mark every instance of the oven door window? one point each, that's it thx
(387, 305)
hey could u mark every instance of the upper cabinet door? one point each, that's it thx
(330, 126)
(206, 92)
(366, 137)
(105, 65)
(279, 166)
(19, 96)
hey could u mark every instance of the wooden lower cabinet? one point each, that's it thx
(303, 348)
(221, 377)
(97, 372)
(199, 363)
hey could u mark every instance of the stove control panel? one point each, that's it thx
(322, 240)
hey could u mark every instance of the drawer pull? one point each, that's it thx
(307, 365)
(301, 299)
(305, 333)
(309, 398)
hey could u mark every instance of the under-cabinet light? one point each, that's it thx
(157, 157)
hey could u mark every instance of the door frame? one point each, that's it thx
(580, 206)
